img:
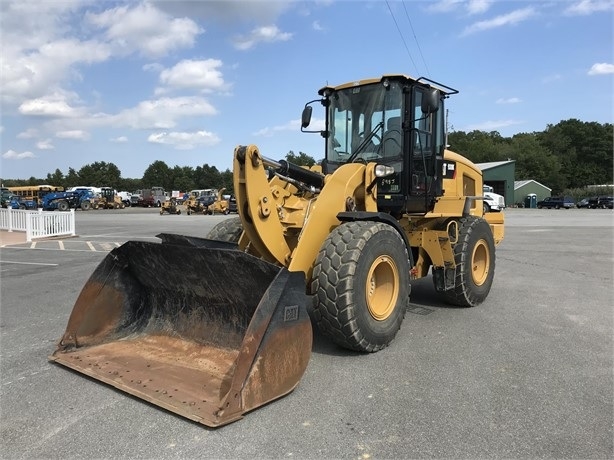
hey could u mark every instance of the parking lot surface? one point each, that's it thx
(527, 374)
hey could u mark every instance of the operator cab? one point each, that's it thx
(396, 121)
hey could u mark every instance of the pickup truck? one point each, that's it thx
(556, 202)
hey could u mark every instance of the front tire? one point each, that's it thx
(63, 205)
(474, 255)
(86, 205)
(229, 230)
(360, 285)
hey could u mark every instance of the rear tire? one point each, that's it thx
(360, 285)
(229, 230)
(86, 205)
(474, 254)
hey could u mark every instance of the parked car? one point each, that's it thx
(593, 202)
(556, 202)
(232, 204)
(583, 203)
(605, 202)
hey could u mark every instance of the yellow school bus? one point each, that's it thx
(34, 192)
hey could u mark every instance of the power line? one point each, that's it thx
(402, 38)
(416, 39)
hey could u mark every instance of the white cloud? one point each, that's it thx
(76, 134)
(12, 155)
(471, 6)
(292, 125)
(510, 100)
(478, 6)
(444, 6)
(265, 34)
(146, 29)
(160, 113)
(601, 68)
(119, 140)
(202, 75)
(52, 105)
(315, 25)
(29, 133)
(512, 18)
(45, 145)
(587, 7)
(492, 125)
(32, 74)
(184, 140)
(262, 12)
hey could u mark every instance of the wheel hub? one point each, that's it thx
(480, 263)
(382, 287)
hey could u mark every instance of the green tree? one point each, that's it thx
(302, 159)
(72, 179)
(130, 185)
(534, 161)
(57, 178)
(227, 181)
(478, 146)
(585, 150)
(207, 177)
(183, 178)
(158, 174)
(100, 174)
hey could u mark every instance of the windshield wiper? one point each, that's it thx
(364, 143)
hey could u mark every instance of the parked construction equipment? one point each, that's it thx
(109, 199)
(170, 206)
(199, 200)
(228, 327)
(220, 205)
(63, 201)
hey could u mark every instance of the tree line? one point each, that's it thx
(567, 156)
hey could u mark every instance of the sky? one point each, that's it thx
(184, 82)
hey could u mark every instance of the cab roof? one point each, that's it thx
(393, 76)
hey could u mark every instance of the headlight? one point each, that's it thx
(383, 170)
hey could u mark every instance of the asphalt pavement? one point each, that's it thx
(527, 374)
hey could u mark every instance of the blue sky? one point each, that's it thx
(184, 82)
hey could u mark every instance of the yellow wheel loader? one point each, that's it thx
(337, 246)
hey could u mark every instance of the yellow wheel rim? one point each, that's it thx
(382, 287)
(480, 263)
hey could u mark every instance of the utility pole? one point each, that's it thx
(447, 113)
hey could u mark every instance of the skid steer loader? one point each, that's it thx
(337, 246)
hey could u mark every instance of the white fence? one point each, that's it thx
(38, 224)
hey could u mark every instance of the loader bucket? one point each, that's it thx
(209, 333)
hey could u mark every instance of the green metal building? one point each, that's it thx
(500, 176)
(524, 187)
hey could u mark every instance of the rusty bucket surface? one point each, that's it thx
(208, 333)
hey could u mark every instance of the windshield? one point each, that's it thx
(365, 123)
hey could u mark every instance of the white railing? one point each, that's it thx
(38, 224)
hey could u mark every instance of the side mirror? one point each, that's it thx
(306, 117)
(430, 101)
